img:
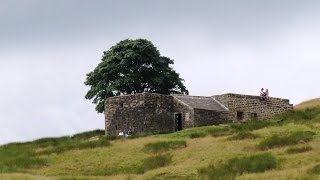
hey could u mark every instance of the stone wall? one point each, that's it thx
(204, 117)
(154, 113)
(139, 113)
(252, 106)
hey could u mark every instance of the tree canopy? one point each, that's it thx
(129, 67)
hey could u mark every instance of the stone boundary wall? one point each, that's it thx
(251, 105)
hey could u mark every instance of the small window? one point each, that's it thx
(254, 115)
(122, 104)
(239, 115)
(116, 127)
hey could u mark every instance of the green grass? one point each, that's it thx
(252, 125)
(243, 135)
(198, 135)
(14, 157)
(89, 134)
(219, 131)
(211, 152)
(316, 169)
(313, 103)
(154, 162)
(300, 116)
(295, 150)
(70, 144)
(197, 132)
(163, 146)
(239, 165)
(291, 139)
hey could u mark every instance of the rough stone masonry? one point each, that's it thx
(156, 113)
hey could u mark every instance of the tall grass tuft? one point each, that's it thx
(197, 135)
(252, 125)
(14, 158)
(300, 116)
(70, 144)
(49, 141)
(243, 135)
(316, 169)
(154, 162)
(295, 150)
(239, 165)
(291, 139)
(163, 146)
(219, 131)
(89, 134)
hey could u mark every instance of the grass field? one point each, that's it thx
(308, 104)
(286, 147)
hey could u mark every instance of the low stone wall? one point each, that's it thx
(252, 106)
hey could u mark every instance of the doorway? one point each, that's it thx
(239, 115)
(178, 121)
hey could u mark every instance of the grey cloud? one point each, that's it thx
(47, 47)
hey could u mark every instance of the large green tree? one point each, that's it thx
(129, 67)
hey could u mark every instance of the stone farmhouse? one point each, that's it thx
(157, 113)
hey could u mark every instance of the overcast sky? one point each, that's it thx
(48, 46)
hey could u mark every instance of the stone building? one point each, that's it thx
(157, 113)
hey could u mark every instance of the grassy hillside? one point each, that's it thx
(313, 103)
(286, 147)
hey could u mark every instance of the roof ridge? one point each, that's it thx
(223, 106)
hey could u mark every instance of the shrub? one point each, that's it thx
(239, 165)
(294, 150)
(293, 138)
(164, 146)
(243, 135)
(316, 169)
(154, 162)
(197, 135)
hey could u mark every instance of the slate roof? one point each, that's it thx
(201, 102)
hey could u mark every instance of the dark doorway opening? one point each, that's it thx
(178, 121)
(254, 116)
(239, 115)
